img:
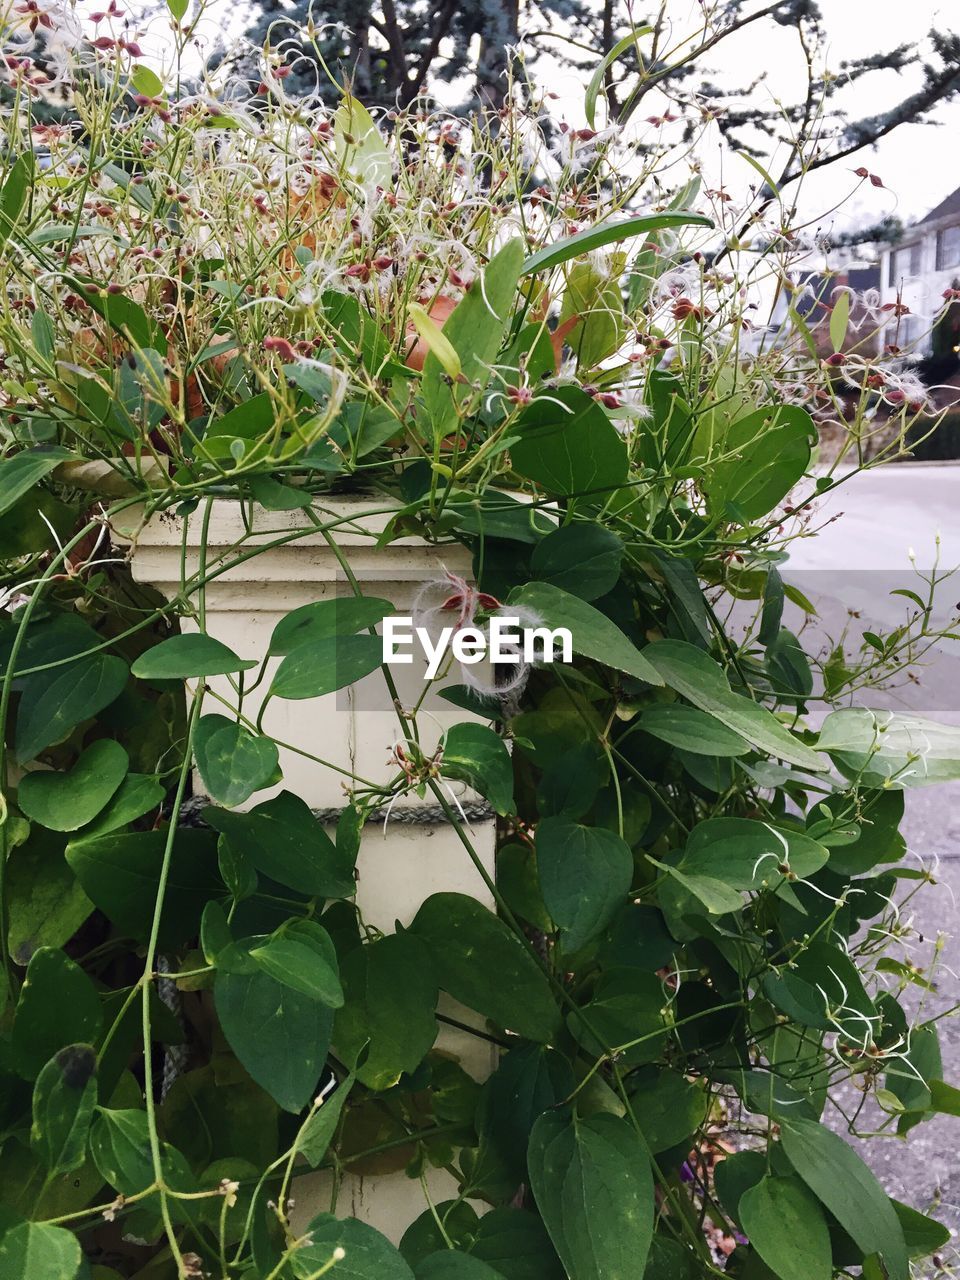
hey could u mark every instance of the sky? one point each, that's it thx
(915, 163)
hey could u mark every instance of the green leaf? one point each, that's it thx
(284, 841)
(594, 635)
(606, 62)
(146, 81)
(786, 1226)
(20, 472)
(302, 957)
(178, 8)
(120, 874)
(772, 615)
(717, 897)
(508, 986)
(944, 1098)
(66, 801)
(594, 1188)
(700, 680)
(735, 1175)
(233, 762)
(45, 901)
(391, 998)
(582, 558)
(747, 854)
(475, 754)
(788, 667)
(442, 1226)
(360, 148)
(770, 452)
(58, 1006)
(318, 667)
(607, 233)
(691, 730)
(318, 1129)
(883, 749)
(450, 1264)
(669, 1109)
(924, 1235)
(593, 299)
(64, 1097)
(568, 445)
(280, 1036)
(529, 1080)
(54, 702)
(125, 316)
(120, 1146)
(367, 1255)
(516, 1244)
(187, 656)
(585, 875)
(474, 332)
(822, 987)
(843, 1183)
(626, 1014)
(37, 1251)
(121, 1150)
(439, 346)
(13, 196)
(839, 320)
(343, 616)
(137, 794)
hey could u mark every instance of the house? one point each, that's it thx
(812, 296)
(917, 271)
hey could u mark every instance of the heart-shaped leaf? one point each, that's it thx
(37, 1251)
(475, 754)
(584, 874)
(280, 1036)
(54, 702)
(317, 667)
(284, 841)
(58, 1006)
(594, 1187)
(233, 762)
(66, 801)
(786, 1226)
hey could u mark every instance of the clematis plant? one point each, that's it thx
(700, 976)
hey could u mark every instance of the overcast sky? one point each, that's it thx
(917, 163)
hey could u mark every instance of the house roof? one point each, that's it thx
(945, 209)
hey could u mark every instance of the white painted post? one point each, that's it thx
(354, 729)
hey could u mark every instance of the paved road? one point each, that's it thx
(855, 562)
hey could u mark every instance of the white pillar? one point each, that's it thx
(354, 728)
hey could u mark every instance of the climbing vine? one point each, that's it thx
(502, 344)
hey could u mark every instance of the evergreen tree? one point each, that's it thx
(390, 50)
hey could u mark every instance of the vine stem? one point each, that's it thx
(148, 975)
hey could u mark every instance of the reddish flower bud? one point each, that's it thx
(281, 346)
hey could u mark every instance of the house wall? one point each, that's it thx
(922, 289)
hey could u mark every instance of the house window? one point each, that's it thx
(948, 248)
(911, 330)
(905, 262)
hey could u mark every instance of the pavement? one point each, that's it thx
(855, 562)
